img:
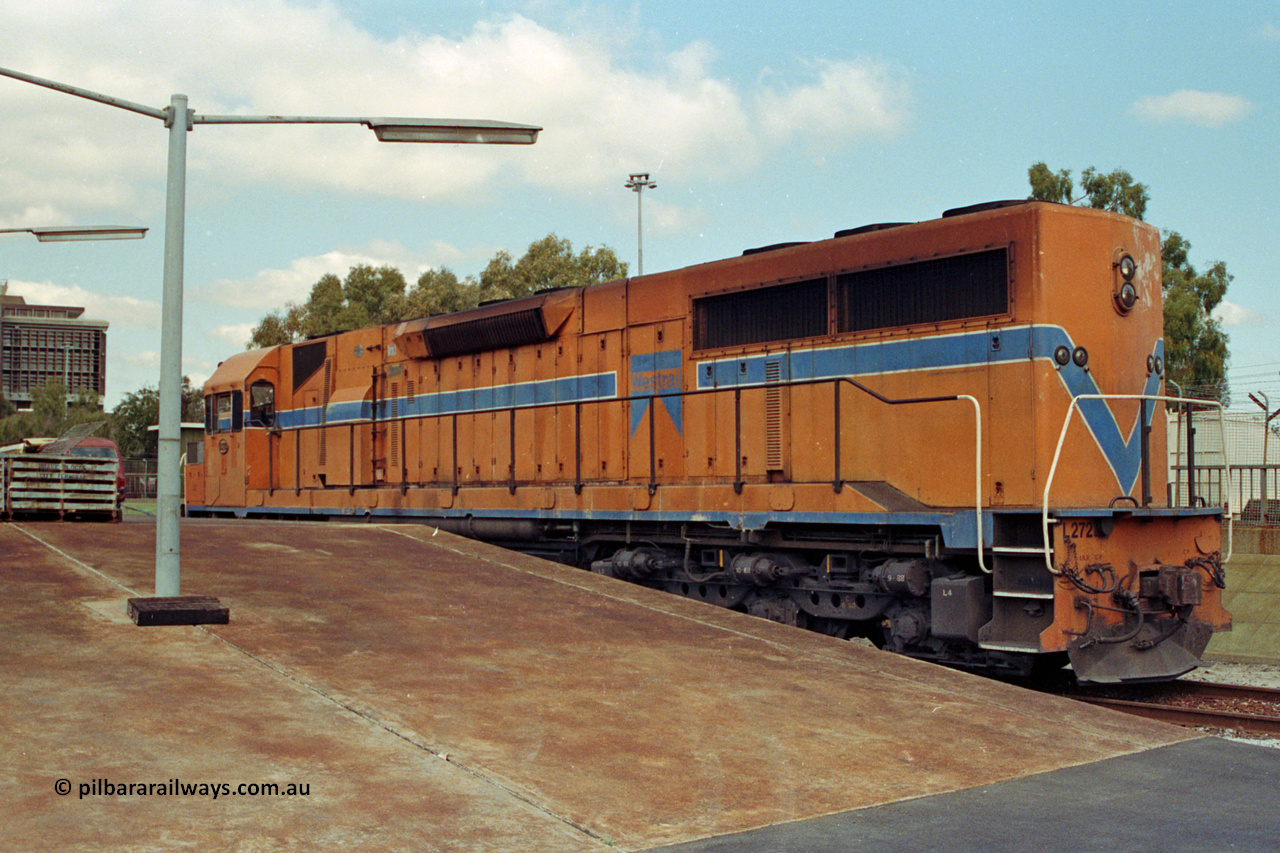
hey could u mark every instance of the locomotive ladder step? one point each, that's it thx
(1008, 593)
(1011, 647)
(1019, 550)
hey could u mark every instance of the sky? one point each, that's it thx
(759, 122)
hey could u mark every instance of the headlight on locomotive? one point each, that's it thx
(1126, 292)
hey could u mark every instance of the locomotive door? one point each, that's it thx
(393, 395)
(224, 465)
(1009, 425)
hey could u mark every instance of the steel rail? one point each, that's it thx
(1197, 715)
(1191, 717)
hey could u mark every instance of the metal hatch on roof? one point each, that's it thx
(511, 323)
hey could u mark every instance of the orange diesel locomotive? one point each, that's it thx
(946, 436)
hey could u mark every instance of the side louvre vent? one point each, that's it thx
(777, 313)
(932, 291)
(486, 333)
(773, 416)
(393, 434)
(512, 323)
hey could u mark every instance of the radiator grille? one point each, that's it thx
(933, 291)
(777, 313)
(485, 333)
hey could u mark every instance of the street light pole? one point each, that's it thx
(169, 446)
(638, 183)
(180, 120)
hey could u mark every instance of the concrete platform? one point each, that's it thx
(433, 693)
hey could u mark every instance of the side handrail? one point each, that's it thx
(651, 400)
(977, 451)
(1062, 438)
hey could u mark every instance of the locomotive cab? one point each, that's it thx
(239, 413)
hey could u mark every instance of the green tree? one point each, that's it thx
(1195, 344)
(371, 296)
(274, 329)
(140, 409)
(1115, 191)
(16, 427)
(439, 292)
(549, 262)
(53, 411)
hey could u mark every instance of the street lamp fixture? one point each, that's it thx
(638, 183)
(451, 131)
(180, 120)
(83, 232)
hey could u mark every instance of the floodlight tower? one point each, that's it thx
(638, 183)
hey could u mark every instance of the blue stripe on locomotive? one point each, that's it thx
(967, 349)
(568, 389)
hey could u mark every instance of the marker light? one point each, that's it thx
(1128, 267)
(1127, 297)
(1126, 292)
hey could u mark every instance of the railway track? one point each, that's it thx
(1196, 704)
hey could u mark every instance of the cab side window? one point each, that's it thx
(224, 412)
(222, 420)
(262, 404)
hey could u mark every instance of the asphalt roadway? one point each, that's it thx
(409, 691)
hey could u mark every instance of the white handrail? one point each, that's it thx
(1062, 437)
(977, 478)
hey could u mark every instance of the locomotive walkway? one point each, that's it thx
(426, 692)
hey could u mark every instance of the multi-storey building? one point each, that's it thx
(39, 343)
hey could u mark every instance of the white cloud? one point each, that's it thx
(119, 311)
(234, 334)
(671, 218)
(1230, 314)
(1208, 109)
(1270, 32)
(148, 360)
(272, 288)
(849, 100)
(73, 158)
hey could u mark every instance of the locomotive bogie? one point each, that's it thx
(865, 436)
